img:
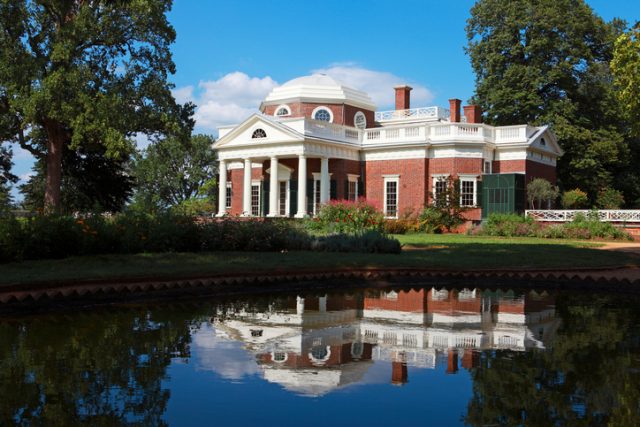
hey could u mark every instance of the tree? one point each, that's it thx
(625, 66)
(446, 212)
(6, 178)
(91, 181)
(541, 191)
(78, 72)
(171, 173)
(575, 199)
(547, 62)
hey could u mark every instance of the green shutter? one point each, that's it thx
(293, 194)
(310, 197)
(360, 188)
(333, 189)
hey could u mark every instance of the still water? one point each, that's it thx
(429, 356)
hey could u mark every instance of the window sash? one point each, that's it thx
(228, 196)
(255, 199)
(391, 198)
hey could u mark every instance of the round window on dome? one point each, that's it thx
(282, 110)
(359, 120)
(323, 114)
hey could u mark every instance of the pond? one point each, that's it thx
(435, 356)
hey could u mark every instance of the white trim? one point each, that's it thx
(240, 165)
(396, 179)
(469, 178)
(230, 198)
(391, 176)
(436, 177)
(286, 107)
(287, 200)
(257, 183)
(353, 178)
(322, 107)
(395, 154)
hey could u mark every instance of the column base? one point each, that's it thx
(272, 215)
(301, 215)
(221, 214)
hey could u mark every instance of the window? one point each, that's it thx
(279, 356)
(282, 110)
(322, 114)
(352, 187)
(255, 199)
(487, 167)
(543, 142)
(468, 190)
(359, 120)
(258, 133)
(439, 187)
(391, 197)
(228, 196)
(282, 195)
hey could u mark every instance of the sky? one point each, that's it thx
(230, 54)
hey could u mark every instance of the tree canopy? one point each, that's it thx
(83, 72)
(626, 71)
(547, 62)
(172, 172)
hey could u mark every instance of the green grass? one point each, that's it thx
(455, 252)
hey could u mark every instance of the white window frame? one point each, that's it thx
(322, 107)
(387, 179)
(279, 107)
(352, 178)
(469, 178)
(485, 169)
(434, 179)
(287, 199)
(228, 195)
(259, 185)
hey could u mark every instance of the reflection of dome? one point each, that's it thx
(319, 88)
(316, 382)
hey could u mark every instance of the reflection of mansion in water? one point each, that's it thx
(314, 345)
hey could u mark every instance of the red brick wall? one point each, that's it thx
(342, 113)
(411, 302)
(350, 112)
(539, 170)
(454, 166)
(509, 166)
(236, 176)
(412, 191)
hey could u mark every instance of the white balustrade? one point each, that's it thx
(605, 215)
(413, 113)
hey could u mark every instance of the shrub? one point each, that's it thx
(342, 216)
(609, 198)
(446, 212)
(575, 199)
(509, 225)
(540, 190)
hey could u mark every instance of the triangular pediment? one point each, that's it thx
(258, 129)
(545, 140)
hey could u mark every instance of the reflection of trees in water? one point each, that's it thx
(97, 369)
(588, 376)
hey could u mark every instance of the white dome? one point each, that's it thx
(318, 88)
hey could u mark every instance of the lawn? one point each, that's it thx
(455, 252)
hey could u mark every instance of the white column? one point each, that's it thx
(302, 187)
(273, 188)
(324, 180)
(246, 189)
(222, 189)
(322, 303)
(299, 305)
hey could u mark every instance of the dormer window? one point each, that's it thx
(282, 110)
(322, 114)
(543, 142)
(258, 133)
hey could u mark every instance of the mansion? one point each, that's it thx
(317, 140)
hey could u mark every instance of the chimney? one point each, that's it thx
(399, 373)
(473, 113)
(454, 110)
(403, 98)
(452, 362)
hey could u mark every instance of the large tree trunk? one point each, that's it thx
(55, 142)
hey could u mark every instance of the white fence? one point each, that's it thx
(627, 216)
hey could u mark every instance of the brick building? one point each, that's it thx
(316, 140)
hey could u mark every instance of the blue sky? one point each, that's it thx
(230, 54)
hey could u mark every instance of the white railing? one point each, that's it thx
(461, 130)
(569, 215)
(332, 131)
(514, 133)
(395, 134)
(412, 113)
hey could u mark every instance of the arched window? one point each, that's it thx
(322, 114)
(282, 110)
(259, 133)
(359, 120)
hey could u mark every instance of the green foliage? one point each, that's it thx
(582, 227)
(91, 182)
(343, 216)
(179, 174)
(446, 213)
(82, 73)
(547, 62)
(575, 199)
(541, 193)
(609, 198)
(625, 67)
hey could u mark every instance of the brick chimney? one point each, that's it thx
(473, 113)
(403, 98)
(399, 373)
(454, 110)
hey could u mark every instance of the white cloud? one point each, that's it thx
(25, 177)
(378, 84)
(183, 94)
